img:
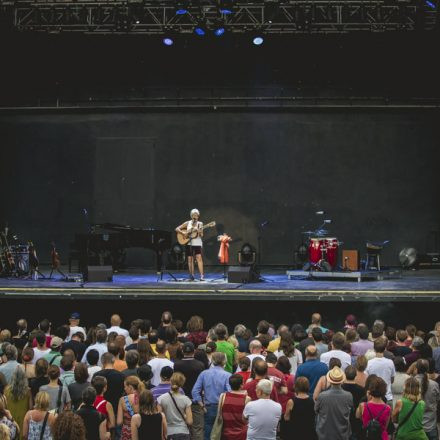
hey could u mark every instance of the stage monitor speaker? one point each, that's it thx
(350, 260)
(243, 274)
(99, 273)
(428, 261)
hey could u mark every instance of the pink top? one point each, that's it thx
(376, 409)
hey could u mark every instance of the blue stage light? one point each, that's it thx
(219, 31)
(181, 11)
(225, 11)
(168, 41)
(258, 41)
(430, 4)
(198, 30)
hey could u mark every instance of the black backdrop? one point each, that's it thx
(374, 172)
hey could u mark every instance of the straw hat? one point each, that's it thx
(336, 376)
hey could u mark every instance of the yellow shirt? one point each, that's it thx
(274, 345)
(153, 347)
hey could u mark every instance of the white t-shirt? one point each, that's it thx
(344, 357)
(198, 240)
(263, 416)
(156, 365)
(38, 354)
(75, 329)
(295, 360)
(92, 371)
(384, 368)
(100, 347)
(118, 330)
(251, 357)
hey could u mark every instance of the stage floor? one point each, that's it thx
(136, 284)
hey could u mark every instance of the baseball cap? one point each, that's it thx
(188, 347)
(56, 342)
(74, 315)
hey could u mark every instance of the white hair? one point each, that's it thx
(194, 211)
(265, 386)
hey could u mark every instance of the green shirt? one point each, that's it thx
(228, 349)
(412, 429)
(53, 357)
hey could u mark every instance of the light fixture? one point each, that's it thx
(200, 30)
(219, 31)
(182, 7)
(258, 41)
(168, 41)
(247, 255)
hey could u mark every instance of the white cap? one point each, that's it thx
(194, 211)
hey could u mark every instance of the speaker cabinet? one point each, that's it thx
(350, 260)
(243, 274)
(99, 273)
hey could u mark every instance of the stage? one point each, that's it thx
(397, 286)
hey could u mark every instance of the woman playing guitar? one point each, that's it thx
(194, 230)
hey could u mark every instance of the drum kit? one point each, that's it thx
(322, 248)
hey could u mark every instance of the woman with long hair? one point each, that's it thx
(26, 357)
(149, 424)
(145, 351)
(34, 421)
(196, 334)
(287, 348)
(177, 409)
(174, 347)
(18, 396)
(69, 426)
(408, 413)
(41, 378)
(129, 405)
(7, 420)
(323, 383)
(400, 378)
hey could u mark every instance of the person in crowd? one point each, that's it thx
(223, 346)
(350, 323)
(45, 327)
(165, 321)
(6, 420)
(358, 393)
(259, 372)
(99, 383)
(242, 345)
(40, 378)
(67, 365)
(159, 362)
(361, 365)
(68, 426)
(81, 383)
(128, 405)
(256, 350)
(212, 383)
(318, 339)
(38, 422)
(323, 384)
(11, 364)
(408, 412)
(100, 346)
(132, 359)
(416, 344)
(196, 334)
(146, 351)
(400, 378)
(174, 347)
(165, 383)
(115, 350)
(401, 348)
(382, 366)
(313, 369)
(53, 357)
(191, 369)
(177, 409)
(244, 368)
(274, 344)
(363, 344)
(337, 344)
(115, 380)
(133, 336)
(434, 337)
(391, 335)
(18, 396)
(115, 326)
(153, 337)
(92, 362)
(299, 415)
(275, 375)
(262, 414)
(149, 423)
(287, 348)
(145, 374)
(431, 395)
(76, 344)
(231, 407)
(411, 330)
(58, 393)
(21, 339)
(316, 322)
(74, 326)
(26, 362)
(375, 408)
(283, 365)
(94, 422)
(333, 408)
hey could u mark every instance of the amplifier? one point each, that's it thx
(99, 273)
(243, 274)
(428, 261)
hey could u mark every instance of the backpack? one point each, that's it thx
(373, 430)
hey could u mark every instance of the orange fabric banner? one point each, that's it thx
(223, 253)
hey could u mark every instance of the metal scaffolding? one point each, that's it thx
(269, 17)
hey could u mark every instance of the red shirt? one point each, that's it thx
(48, 341)
(101, 407)
(245, 375)
(276, 377)
(251, 388)
(284, 398)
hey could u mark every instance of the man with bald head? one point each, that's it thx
(115, 322)
(312, 368)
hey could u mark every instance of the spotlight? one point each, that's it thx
(218, 32)
(168, 41)
(430, 4)
(182, 7)
(225, 7)
(200, 31)
(247, 255)
(258, 41)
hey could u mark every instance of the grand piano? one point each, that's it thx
(106, 244)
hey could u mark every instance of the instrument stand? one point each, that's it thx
(225, 274)
(58, 270)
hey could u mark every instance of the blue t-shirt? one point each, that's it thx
(313, 369)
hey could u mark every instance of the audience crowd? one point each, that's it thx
(180, 382)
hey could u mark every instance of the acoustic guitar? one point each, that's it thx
(55, 257)
(184, 238)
